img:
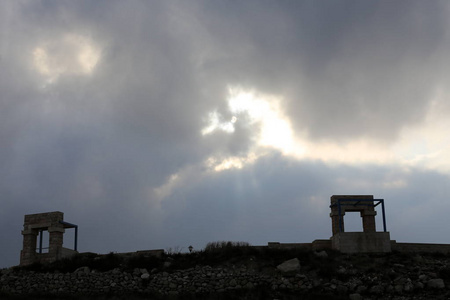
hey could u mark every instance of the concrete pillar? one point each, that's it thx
(56, 241)
(28, 253)
(368, 217)
(335, 221)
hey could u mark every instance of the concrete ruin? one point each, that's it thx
(369, 240)
(34, 226)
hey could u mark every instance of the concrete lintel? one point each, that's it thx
(30, 232)
(42, 226)
(335, 214)
(56, 229)
(368, 213)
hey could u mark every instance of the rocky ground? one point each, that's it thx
(236, 273)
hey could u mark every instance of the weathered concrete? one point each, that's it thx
(361, 242)
(368, 212)
(353, 242)
(35, 223)
(419, 247)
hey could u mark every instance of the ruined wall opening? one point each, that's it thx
(43, 238)
(43, 242)
(347, 235)
(69, 239)
(353, 222)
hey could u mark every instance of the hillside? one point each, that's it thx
(234, 271)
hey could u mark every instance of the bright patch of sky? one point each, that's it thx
(70, 54)
(418, 146)
(272, 128)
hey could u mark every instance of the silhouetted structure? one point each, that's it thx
(35, 225)
(367, 241)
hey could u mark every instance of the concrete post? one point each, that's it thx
(369, 220)
(28, 253)
(56, 241)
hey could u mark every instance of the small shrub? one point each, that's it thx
(107, 262)
(221, 245)
(174, 251)
(143, 261)
(445, 273)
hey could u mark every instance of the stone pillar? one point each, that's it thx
(28, 253)
(335, 221)
(56, 241)
(368, 217)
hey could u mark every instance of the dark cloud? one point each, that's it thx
(352, 69)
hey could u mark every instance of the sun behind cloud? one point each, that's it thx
(71, 54)
(271, 127)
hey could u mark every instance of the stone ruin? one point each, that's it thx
(369, 240)
(34, 226)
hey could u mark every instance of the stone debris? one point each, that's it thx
(394, 282)
(436, 283)
(289, 266)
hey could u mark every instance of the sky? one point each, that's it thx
(164, 124)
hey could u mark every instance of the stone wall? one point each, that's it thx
(418, 247)
(400, 279)
(361, 242)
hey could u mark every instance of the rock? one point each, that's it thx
(341, 289)
(145, 276)
(292, 265)
(355, 297)
(143, 271)
(418, 285)
(398, 288)
(423, 277)
(401, 280)
(408, 287)
(377, 289)
(437, 283)
(418, 259)
(321, 254)
(85, 270)
(361, 289)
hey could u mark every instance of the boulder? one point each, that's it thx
(85, 270)
(321, 254)
(377, 289)
(289, 266)
(355, 296)
(437, 283)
